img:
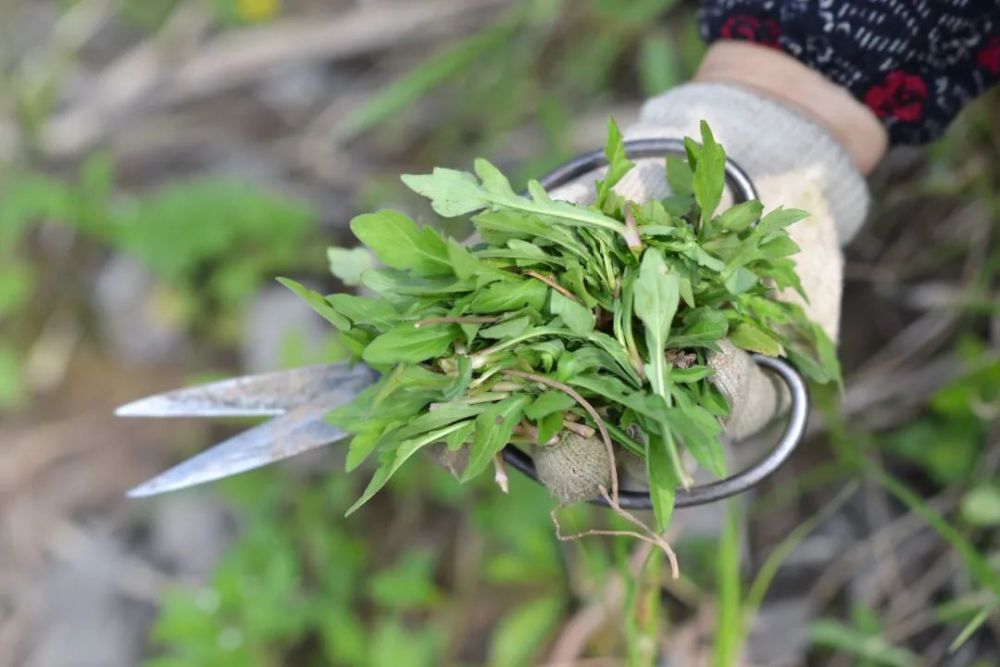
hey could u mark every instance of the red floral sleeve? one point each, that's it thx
(915, 63)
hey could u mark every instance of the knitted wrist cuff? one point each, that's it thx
(765, 138)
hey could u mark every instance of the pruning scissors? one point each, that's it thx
(299, 399)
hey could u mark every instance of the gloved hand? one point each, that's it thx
(794, 163)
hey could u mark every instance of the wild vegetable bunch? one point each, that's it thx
(577, 332)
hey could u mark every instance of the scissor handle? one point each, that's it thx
(743, 190)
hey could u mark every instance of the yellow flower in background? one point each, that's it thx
(257, 10)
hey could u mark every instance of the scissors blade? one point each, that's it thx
(261, 395)
(299, 430)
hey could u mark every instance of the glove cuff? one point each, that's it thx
(765, 138)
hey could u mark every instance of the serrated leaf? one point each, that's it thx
(463, 379)
(452, 192)
(782, 246)
(709, 174)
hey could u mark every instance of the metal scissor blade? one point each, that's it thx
(298, 430)
(261, 395)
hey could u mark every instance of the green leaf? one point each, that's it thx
(462, 380)
(709, 174)
(493, 430)
(547, 403)
(394, 284)
(398, 242)
(347, 264)
(740, 280)
(740, 217)
(749, 336)
(394, 460)
(577, 317)
(679, 176)
(662, 479)
(361, 446)
(618, 163)
(548, 426)
(508, 296)
(463, 263)
(702, 327)
(317, 302)
(454, 193)
(656, 297)
(698, 430)
(528, 250)
(780, 218)
(508, 329)
(361, 310)
(408, 344)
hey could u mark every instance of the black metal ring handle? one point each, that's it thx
(743, 190)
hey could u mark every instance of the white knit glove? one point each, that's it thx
(793, 163)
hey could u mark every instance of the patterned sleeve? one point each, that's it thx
(915, 63)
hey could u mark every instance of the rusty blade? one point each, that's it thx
(261, 395)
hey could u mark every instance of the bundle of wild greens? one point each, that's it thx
(578, 332)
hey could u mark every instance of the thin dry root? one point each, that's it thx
(647, 534)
